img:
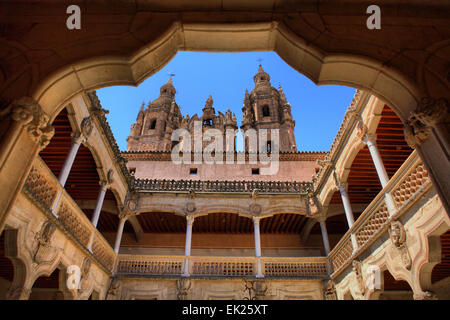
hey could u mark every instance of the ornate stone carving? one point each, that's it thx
(429, 113)
(190, 207)
(29, 114)
(361, 129)
(432, 111)
(85, 270)
(312, 205)
(114, 292)
(257, 289)
(110, 176)
(255, 208)
(44, 252)
(183, 287)
(130, 204)
(397, 234)
(86, 127)
(330, 291)
(357, 270)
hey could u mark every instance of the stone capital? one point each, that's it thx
(429, 113)
(27, 112)
(190, 219)
(369, 138)
(256, 220)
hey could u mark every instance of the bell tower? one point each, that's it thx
(155, 124)
(267, 108)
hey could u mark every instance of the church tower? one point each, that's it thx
(267, 108)
(155, 124)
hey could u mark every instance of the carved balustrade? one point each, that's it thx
(295, 267)
(163, 185)
(409, 182)
(199, 266)
(44, 187)
(150, 265)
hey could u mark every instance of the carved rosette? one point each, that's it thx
(190, 208)
(255, 209)
(130, 206)
(29, 114)
(397, 235)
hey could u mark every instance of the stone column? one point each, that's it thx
(98, 209)
(77, 139)
(100, 199)
(326, 242)
(27, 132)
(371, 141)
(123, 219)
(259, 273)
(346, 202)
(187, 247)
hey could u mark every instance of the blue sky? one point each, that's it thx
(317, 110)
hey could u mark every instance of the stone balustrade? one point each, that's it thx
(274, 267)
(44, 187)
(405, 188)
(157, 185)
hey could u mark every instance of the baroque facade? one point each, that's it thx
(366, 220)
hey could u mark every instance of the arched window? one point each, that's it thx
(266, 111)
(153, 124)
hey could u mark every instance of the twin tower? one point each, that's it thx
(264, 108)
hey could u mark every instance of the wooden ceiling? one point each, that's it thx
(83, 180)
(108, 222)
(335, 224)
(157, 222)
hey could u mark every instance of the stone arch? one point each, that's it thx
(20, 287)
(321, 68)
